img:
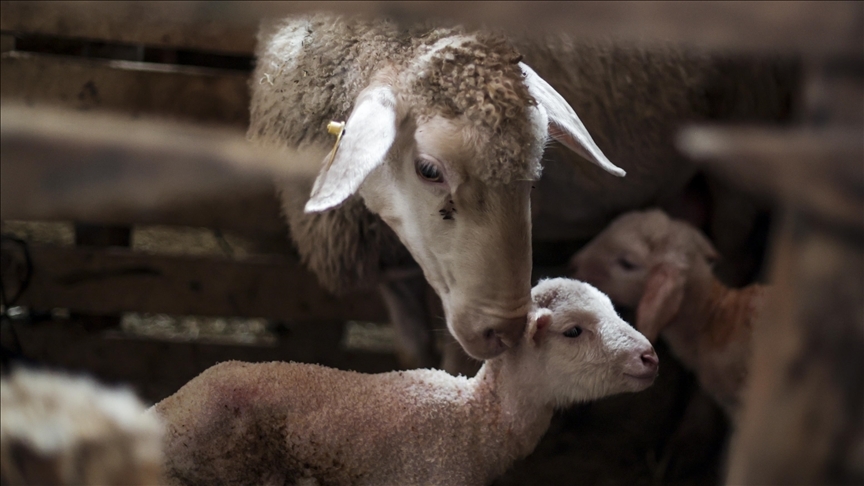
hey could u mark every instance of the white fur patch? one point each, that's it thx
(284, 49)
(441, 44)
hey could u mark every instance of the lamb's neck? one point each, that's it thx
(711, 310)
(520, 412)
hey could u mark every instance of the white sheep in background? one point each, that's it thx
(278, 423)
(58, 429)
(662, 268)
(443, 138)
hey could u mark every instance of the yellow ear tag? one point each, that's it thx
(334, 128)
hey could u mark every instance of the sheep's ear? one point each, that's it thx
(538, 322)
(369, 133)
(661, 300)
(564, 124)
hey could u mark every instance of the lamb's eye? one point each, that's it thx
(428, 170)
(573, 332)
(626, 264)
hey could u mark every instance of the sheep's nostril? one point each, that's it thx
(649, 360)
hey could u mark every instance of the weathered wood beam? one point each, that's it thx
(133, 88)
(158, 368)
(252, 213)
(54, 161)
(811, 27)
(804, 405)
(206, 26)
(820, 170)
(113, 281)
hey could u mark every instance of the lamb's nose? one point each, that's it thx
(650, 361)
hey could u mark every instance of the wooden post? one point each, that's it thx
(89, 235)
(803, 415)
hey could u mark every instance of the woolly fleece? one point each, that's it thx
(279, 423)
(310, 71)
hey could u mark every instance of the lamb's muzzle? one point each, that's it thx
(642, 366)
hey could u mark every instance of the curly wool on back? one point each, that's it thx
(481, 80)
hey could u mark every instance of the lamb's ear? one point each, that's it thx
(564, 124)
(369, 133)
(661, 300)
(538, 322)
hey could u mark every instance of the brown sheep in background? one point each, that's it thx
(662, 268)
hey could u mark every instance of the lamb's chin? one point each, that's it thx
(639, 382)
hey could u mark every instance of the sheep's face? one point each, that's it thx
(444, 150)
(584, 349)
(620, 260)
(472, 238)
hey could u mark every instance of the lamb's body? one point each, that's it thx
(290, 421)
(278, 423)
(661, 267)
(712, 338)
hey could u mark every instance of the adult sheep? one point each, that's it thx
(443, 138)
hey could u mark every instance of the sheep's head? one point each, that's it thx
(583, 349)
(643, 260)
(445, 150)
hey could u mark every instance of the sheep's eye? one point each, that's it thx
(428, 170)
(626, 264)
(573, 332)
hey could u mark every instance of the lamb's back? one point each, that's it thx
(241, 423)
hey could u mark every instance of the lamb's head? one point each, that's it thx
(580, 347)
(444, 148)
(644, 260)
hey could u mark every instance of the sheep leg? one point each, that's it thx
(405, 299)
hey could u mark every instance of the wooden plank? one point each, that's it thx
(195, 25)
(54, 160)
(192, 94)
(112, 281)
(812, 27)
(803, 408)
(252, 213)
(95, 236)
(7, 43)
(156, 368)
(821, 170)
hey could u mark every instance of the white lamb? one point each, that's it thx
(282, 423)
(662, 268)
(58, 429)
